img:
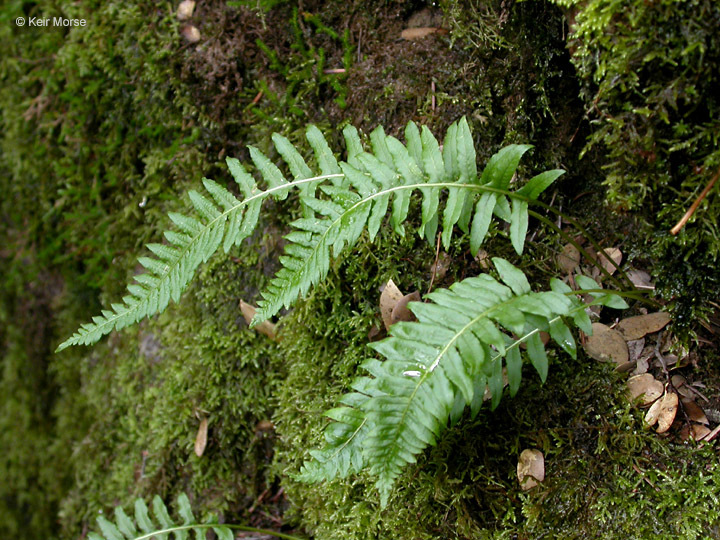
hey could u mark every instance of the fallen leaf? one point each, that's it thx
(694, 412)
(636, 327)
(644, 385)
(635, 348)
(401, 312)
(201, 437)
(185, 10)
(668, 410)
(266, 327)
(389, 298)
(530, 469)
(419, 33)
(569, 259)
(699, 432)
(606, 258)
(640, 279)
(606, 344)
(190, 33)
(653, 413)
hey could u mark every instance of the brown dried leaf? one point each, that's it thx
(185, 10)
(190, 33)
(644, 385)
(636, 327)
(699, 432)
(389, 298)
(419, 33)
(635, 348)
(201, 437)
(266, 327)
(401, 312)
(668, 410)
(606, 258)
(530, 468)
(606, 344)
(569, 259)
(694, 412)
(653, 414)
(640, 279)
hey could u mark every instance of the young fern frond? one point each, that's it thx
(164, 528)
(443, 362)
(354, 195)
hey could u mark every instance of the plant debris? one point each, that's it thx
(266, 327)
(530, 468)
(634, 328)
(201, 437)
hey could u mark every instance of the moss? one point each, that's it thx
(105, 127)
(649, 75)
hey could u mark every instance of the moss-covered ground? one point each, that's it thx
(104, 128)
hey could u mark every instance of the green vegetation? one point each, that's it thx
(105, 128)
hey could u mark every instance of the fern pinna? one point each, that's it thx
(353, 196)
(435, 367)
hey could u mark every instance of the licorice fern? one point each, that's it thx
(143, 527)
(435, 367)
(355, 195)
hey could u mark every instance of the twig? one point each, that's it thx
(710, 436)
(432, 99)
(434, 270)
(680, 224)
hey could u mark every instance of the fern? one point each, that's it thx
(437, 366)
(143, 527)
(355, 196)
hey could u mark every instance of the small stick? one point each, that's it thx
(333, 71)
(432, 99)
(680, 224)
(257, 98)
(434, 270)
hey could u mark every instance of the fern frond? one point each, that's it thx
(218, 218)
(443, 362)
(359, 195)
(382, 181)
(144, 528)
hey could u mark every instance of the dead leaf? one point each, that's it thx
(640, 279)
(644, 385)
(668, 410)
(401, 312)
(419, 33)
(530, 469)
(266, 327)
(190, 33)
(653, 413)
(699, 432)
(694, 412)
(607, 257)
(185, 10)
(201, 437)
(389, 298)
(569, 259)
(636, 327)
(635, 348)
(606, 344)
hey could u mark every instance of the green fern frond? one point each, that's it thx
(435, 367)
(354, 195)
(391, 173)
(219, 219)
(144, 528)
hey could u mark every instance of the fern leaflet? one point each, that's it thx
(440, 364)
